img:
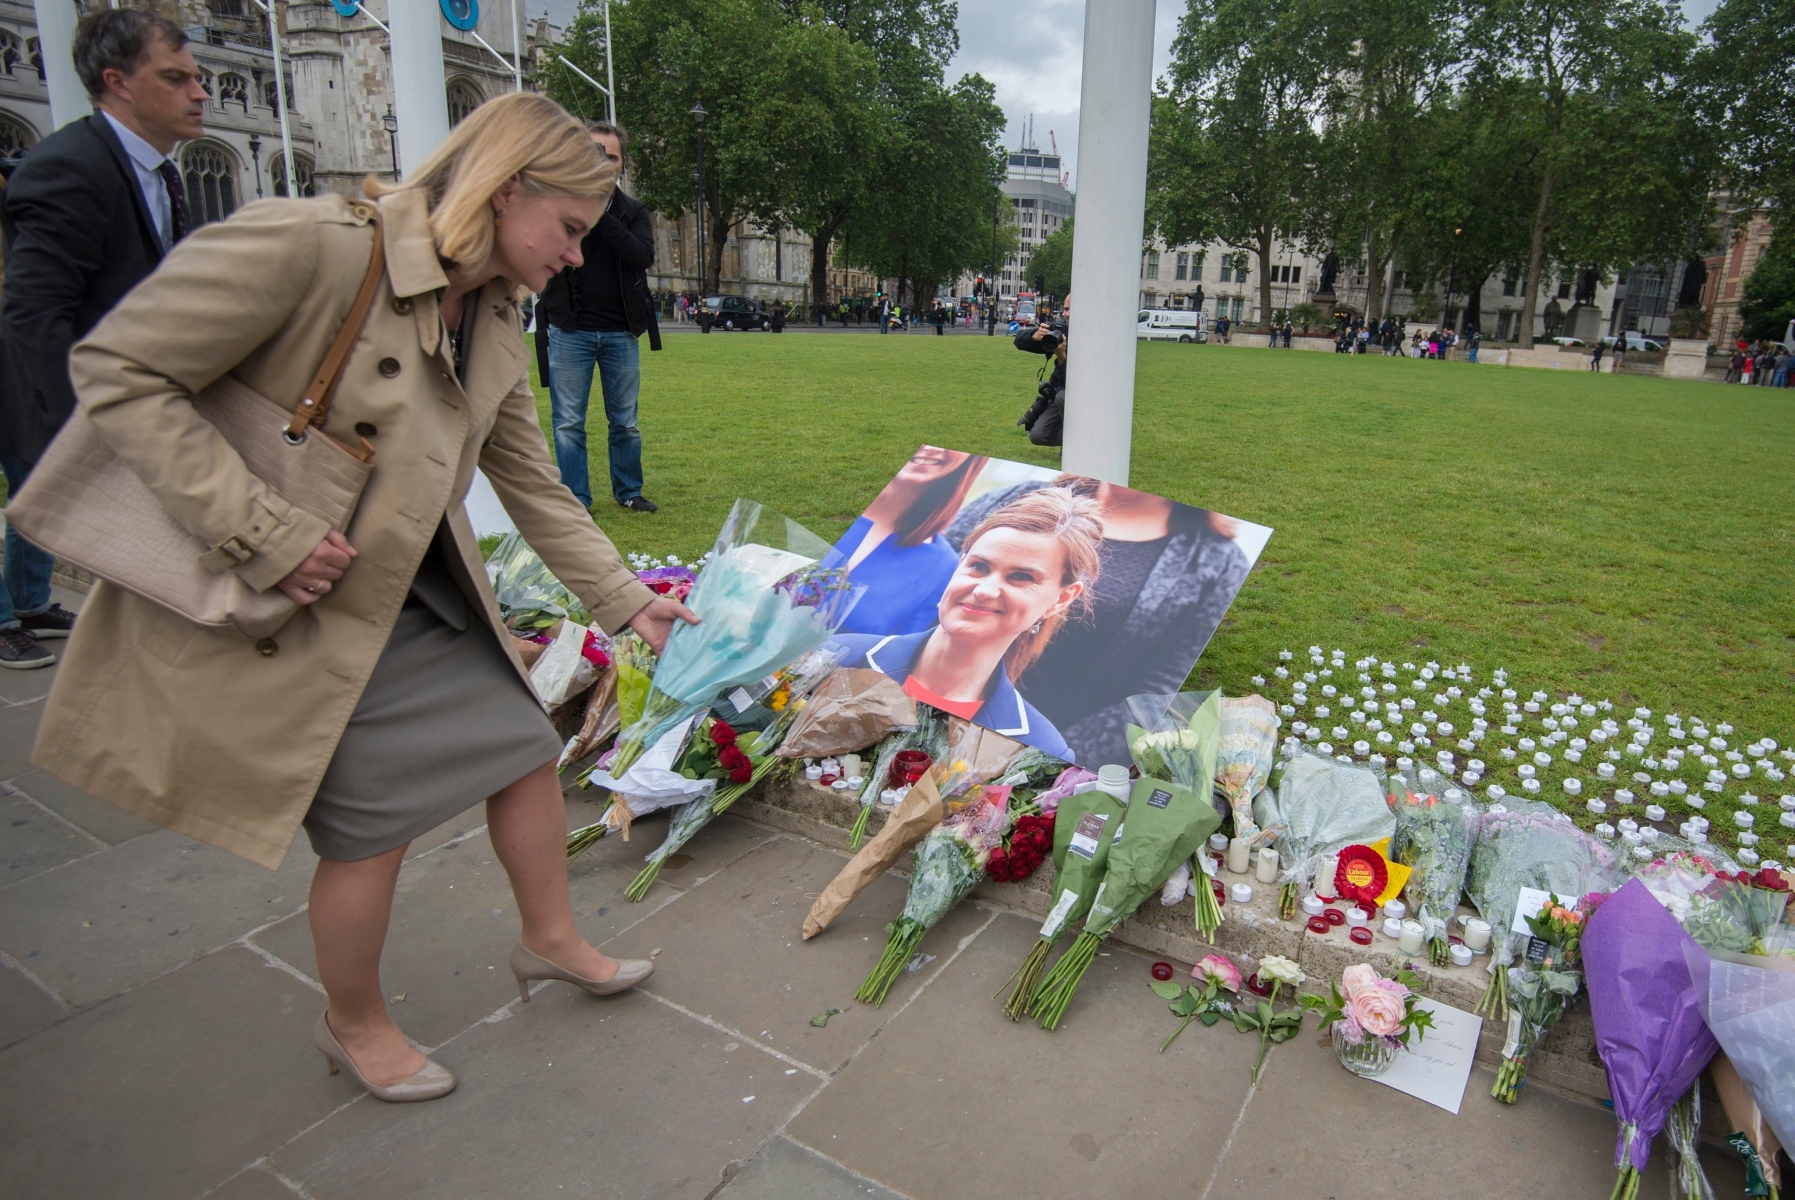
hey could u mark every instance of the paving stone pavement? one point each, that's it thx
(156, 998)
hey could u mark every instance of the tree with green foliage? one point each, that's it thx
(1051, 263)
(1234, 131)
(1620, 169)
(929, 216)
(1747, 71)
(1767, 303)
(784, 94)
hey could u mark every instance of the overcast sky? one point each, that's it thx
(1032, 53)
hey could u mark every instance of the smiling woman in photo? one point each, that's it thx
(895, 547)
(1023, 571)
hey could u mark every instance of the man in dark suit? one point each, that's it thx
(595, 313)
(90, 211)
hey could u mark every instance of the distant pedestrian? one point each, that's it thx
(1595, 356)
(1472, 338)
(1781, 377)
(1620, 352)
(777, 317)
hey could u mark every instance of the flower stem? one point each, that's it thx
(1025, 978)
(1057, 990)
(1182, 1026)
(584, 838)
(1209, 915)
(905, 936)
(859, 830)
(1441, 950)
(1287, 902)
(639, 886)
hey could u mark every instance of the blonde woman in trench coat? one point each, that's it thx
(392, 699)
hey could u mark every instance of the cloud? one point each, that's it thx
(1034, 55)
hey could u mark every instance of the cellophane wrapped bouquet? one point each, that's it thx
(1320, 807)
(1169, 741)
(1528, 844)
(1540, 989)
(1434, 838)
(764, 601)
(742, 759)
(1243, 760)
(530, 598)
(950, 862)
(1166, 822)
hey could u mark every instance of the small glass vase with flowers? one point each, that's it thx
(1371, 1017)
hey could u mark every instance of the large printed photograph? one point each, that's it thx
(1035, 602)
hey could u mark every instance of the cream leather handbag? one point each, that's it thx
(84, 504)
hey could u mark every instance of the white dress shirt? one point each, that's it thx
(148, 161)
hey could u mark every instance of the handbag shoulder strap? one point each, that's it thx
(315, 403)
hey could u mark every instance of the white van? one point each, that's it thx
(1170, 325)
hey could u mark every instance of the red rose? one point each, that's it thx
(722, 734)
(732, 759)
(741, 775)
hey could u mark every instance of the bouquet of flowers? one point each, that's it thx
(929, 736)
(1084, 829)
(1434, 839)
(1248, 744)
(1171, 742)
(1366, 1004)
(736, 760)
(1743, 913)
(764, 602)
(530, 598)
(1204, 1000)
(1320, 807)
(1166, 823)
(1528, 845)
(950, 862)
(1649, 1028)
(1539, 990)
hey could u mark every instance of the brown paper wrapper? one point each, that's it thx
(855, 707)
(600, 720)
(918, 812)
(1745, 1115)
(986, 753)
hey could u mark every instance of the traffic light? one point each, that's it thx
(1040, 284)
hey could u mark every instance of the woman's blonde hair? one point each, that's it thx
(521, 136)
(1076, 523)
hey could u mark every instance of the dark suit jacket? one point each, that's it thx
(622, 241)
(78, 237)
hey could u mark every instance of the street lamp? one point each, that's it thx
(391, 125)
(255, 161)
(991, 289)
(698, 114)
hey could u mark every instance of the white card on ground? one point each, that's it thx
(1437, 1067)
(1528, 904)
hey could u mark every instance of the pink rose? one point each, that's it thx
(1356, 977)
(1214, 968)
(1377, 1011)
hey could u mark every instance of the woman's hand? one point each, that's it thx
(312, 578)
(655, 621)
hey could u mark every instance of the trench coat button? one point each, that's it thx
(402, 305)
(366, 429)
(267, 647)
(389, 367)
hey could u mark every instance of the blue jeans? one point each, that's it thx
(1473, 353)
(25, 589)
(571, 359)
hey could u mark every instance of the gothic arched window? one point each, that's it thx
(233, 89)
(210, 172)
(16, 137)
(302, 170)
(464, 98)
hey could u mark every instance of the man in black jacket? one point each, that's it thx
(595, 312)
(1045, 418)
(89, 213)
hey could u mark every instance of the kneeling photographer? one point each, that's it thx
(1047, 414)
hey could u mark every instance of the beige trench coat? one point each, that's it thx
(203, 730)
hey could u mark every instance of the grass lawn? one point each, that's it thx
(1626, 537)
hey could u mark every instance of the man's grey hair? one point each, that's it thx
(118, 39)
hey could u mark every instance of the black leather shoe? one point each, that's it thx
(19, 651)
(54, 622)
(641, 504)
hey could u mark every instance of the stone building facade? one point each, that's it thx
(1727, 273)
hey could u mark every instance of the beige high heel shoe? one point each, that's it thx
(528, 966)
(431, 1081)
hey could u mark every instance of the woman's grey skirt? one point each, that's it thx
(444, 723)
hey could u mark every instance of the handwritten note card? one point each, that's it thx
(1436, 1068)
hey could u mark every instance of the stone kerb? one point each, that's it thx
(1687, 358)
(1566, 1061)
